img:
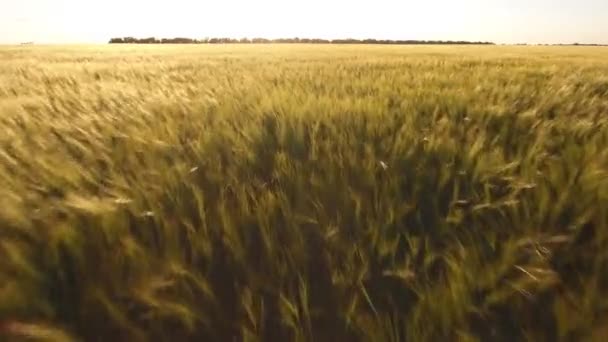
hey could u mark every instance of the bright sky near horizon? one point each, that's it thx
(501, 21)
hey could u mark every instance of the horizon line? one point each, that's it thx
(364, 41)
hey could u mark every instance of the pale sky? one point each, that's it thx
(501, 21)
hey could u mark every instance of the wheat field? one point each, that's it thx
(303, 193)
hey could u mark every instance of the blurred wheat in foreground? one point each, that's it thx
(303, 193)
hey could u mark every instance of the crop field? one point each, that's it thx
(303, 193)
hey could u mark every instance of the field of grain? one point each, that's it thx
(300, 193)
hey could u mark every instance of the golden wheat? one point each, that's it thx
(294, 192)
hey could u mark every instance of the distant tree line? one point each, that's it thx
(579, 44)
(153, 40)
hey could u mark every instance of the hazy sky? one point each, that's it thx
(501, 21)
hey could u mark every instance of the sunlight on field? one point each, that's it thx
(293, 192)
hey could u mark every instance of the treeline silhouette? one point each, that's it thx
(153, 40)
